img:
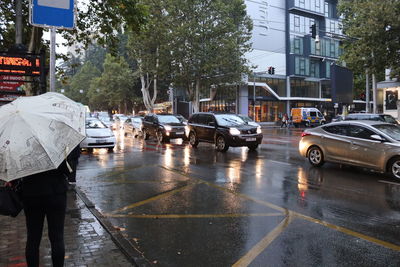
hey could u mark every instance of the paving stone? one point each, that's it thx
(84, 245)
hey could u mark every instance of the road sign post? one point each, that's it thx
(53, 14)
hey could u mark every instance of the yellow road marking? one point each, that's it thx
(179, 216)
(264, 243)
(349, 232)
(140, 203)
(326, 224)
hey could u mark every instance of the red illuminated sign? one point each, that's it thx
(18, 65)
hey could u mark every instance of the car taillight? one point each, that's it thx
(305, 134)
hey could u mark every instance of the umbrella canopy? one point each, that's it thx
(37, 133)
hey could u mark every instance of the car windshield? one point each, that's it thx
(168, 119)
(245, 118)
(389, 129)
(229, 120)
(94, 124)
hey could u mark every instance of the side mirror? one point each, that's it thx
(377, 137)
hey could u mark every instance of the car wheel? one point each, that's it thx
(145, 135)
(315, 156)
(253, 147)
(193, 139)
(395, 168)
(220, 144)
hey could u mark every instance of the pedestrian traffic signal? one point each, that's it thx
(271, 70)
(313, 31)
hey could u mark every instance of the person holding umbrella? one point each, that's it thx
(37, 135)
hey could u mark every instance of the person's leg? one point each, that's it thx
(34, 215)
(55, 221)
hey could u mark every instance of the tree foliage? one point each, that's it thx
(192, 44)
(373, 28)
(80, 83)
(113, 89)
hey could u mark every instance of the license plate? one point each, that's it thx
(251, 139)
(180, 133)
(101, 141)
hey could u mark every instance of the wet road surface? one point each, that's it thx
(180, 206)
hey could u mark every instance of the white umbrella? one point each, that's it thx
(37, 133)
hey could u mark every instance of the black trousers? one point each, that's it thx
(52, 207)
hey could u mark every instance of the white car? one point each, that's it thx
(98, 135)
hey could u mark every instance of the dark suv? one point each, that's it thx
(163, 126)
(224, 130)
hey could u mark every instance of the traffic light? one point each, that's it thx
(271, 70)
(313, 31)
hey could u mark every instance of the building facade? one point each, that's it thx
(293, 68)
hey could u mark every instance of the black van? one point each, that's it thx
(224, 130)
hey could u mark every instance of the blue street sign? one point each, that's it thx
(53, 13)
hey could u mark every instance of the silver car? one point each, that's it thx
(369, 144)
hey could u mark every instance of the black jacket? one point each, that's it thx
(46, 183)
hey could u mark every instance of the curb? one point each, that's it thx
(133, 255)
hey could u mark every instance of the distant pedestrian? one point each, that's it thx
(285, 120)
(44, 195)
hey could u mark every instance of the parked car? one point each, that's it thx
(134, 126)
(372, 117)
(248, 120)
(370, 144)
(163, 126)
(224, 130)
(98, 135)
(306, 117)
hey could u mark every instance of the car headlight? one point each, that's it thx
(167, 128)
(234, 131)
(259, 130)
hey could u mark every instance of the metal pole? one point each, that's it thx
(52, 59)
(18, 22)
(374, 94)
(254, 96)
(366, 91)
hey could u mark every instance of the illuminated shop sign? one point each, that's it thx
(21, 66)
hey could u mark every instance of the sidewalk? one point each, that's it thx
(87, 242)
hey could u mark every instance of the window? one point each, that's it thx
(336, 129)
(202, 119)
(360, 132)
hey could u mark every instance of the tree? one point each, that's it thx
(192, 44)
(81, 82)
(373, 28)
(96, 20)
(208, 41)
(113, 89)
(149, 48)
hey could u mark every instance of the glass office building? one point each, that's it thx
(282, 40)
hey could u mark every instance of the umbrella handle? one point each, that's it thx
(66, 161)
